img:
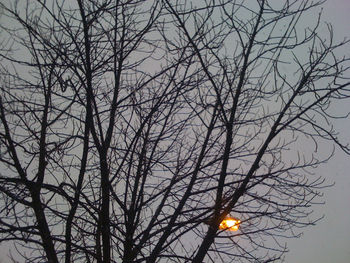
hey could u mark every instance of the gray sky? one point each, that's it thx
(329, 240)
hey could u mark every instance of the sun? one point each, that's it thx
(231, 224)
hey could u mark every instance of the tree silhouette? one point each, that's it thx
(130, 129)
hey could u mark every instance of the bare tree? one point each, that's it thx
(131, 129)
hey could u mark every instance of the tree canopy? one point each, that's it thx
(129, 129)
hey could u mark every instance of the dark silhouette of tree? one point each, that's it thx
(130, 129)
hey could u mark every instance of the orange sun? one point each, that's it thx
(231, 224)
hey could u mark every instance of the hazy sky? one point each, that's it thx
(329, 240)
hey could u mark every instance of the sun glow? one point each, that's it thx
(231, 224)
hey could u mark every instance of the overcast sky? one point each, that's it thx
(329, 240)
